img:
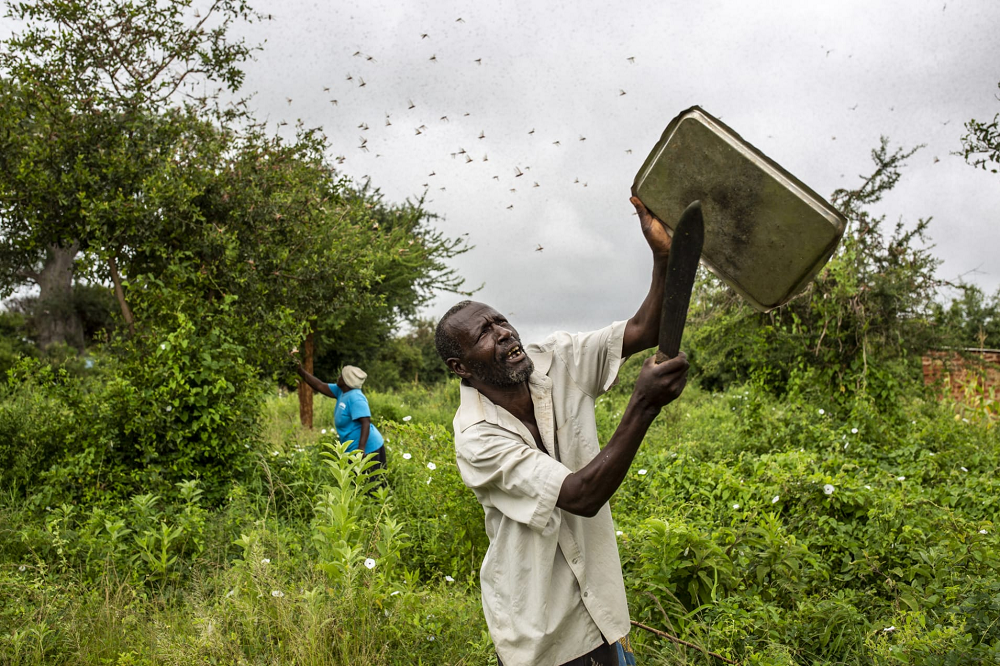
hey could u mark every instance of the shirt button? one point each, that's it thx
(586, 594)
(576, 560)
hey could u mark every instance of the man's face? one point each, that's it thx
(491, 348)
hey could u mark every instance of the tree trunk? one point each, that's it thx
(116, 279)
(305, 391)
(56, 316)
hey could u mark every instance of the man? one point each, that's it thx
(526, 443)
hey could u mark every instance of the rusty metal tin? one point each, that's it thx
(766, 233)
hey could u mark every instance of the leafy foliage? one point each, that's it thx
(981, 143)
(972, 319)
(761, 529)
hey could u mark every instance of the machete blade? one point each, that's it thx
(685, 253)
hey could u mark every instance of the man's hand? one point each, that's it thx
(585, 491)
(659, 385)
(653, 229)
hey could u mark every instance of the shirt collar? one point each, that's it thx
(476, 407)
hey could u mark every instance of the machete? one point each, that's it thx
(685, 253)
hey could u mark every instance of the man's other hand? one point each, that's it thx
(659, 385)
(653, 229)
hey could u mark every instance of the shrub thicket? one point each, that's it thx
(796, 530)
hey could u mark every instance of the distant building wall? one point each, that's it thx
(956, 369)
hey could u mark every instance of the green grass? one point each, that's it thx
(277, 574)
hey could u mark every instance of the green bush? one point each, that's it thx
(44, 415)
(182, 403)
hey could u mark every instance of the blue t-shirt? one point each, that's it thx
(352, 405)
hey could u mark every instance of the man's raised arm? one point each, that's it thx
(643, 329)
(584, 492)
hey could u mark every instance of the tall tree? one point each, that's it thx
(96, 97)
(339, 261)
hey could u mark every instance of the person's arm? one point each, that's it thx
(643, 330)
(316, 384)
(584, 492)
(366, 423)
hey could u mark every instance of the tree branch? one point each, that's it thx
(120, 295)
(681, 642)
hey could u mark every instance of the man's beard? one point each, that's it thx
(496, 374)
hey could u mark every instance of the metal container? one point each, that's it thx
(766, 233)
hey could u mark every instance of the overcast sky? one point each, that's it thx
(812, 85)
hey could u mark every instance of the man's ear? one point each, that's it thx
(458, 368)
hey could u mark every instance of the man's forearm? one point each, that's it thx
(584, 492)
(643, 329)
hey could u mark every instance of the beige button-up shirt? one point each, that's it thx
(551, 580)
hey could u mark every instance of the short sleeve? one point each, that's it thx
(520, 481)
(592, 359)
(357, 403)
(335, 390)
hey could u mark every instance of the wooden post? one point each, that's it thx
(305, 391)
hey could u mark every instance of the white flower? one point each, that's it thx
(774, 500)
(428, 480)
(888, 629)
(275, 453)
(277, 593)
(431, 466)
(845, 446)
(323, 431)
(430, 638)
(449, 579)
(406, 456)
(868, 487)
(828, 489)
(822, 412)
(736, 506)
(22, 567)
(963, 469)
(265, 561)
(163, 345)
(965, 420)
(370, 563)
(854, 431)
(619, 533)
(394, 593)
(246, 446)
(642, 472)
(169, 408)
(407, 418)
(901, 478)
(980, 531)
